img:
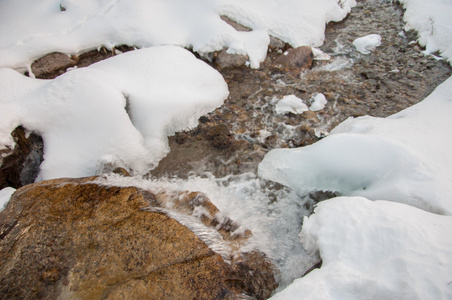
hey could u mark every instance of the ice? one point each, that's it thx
(368, 43)
(73, 27)
(404, 158)
(5, 195)
(290, 104)
(82, 114)
(319, 102)
(375, 250)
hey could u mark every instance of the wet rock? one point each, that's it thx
(227, 60)
(121, 171)
(234, 24)
(199, 205)
(181, 137)
(276, 44)
(295, 60)
(213, 131)
(222, 141)
(52, 65)
(219, 136)
(75, 239)
(254, 276)
(20, 166)
(93, 56)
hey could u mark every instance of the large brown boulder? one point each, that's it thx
(76, 239)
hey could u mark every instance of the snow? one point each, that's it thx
(5, 195)
(195, 24)
(82, 117)
(431, 19)
(404, 158)
(319, 102)
(375, 250)
(368, 43)
(290, 104)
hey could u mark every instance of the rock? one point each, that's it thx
(181, 137)
(219, 136)
(76, 239)
(213, 131)
(52, 65)
(198, 204)
(276, 44)
(20, 166)
(121, 171)
(93, 56)
(227, 60)
(255, 274)
(234, 24)
(295, 60)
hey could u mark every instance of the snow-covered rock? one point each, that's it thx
(290, 104)
(368, 43)
(72, 27)
(119, 109)
(318, 102)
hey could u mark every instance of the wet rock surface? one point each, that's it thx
(76, 239)
(52, 65)
(295, 60)
(20, 166)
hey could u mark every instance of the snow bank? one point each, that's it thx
(5, 195)
(432, 20)
(404, 158)
(82, 114)
(375, 250)
(72, 27)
